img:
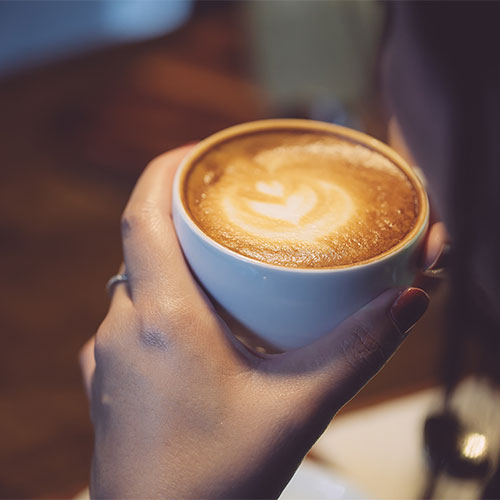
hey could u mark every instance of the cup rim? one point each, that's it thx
(366, 140)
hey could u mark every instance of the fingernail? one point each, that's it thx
(408, 308)
(441, 261)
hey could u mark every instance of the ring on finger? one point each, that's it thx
(115, 280)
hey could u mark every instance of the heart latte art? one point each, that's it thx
(307, 200)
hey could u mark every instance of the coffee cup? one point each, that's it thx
(291, 226)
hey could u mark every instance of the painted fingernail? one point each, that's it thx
(408, 308)
(441, 261)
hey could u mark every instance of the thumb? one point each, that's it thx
(342, 362)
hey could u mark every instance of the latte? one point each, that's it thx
(301, 199)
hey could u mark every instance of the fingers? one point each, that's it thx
(120, 291)
(436, 250)
(342, 362)
(437, 246)
(87, 364)
(121, 309)
(153, 258)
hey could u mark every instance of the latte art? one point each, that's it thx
(300, 199)
(292, 211)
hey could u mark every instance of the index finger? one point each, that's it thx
(153, 258)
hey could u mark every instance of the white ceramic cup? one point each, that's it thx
(289, 307)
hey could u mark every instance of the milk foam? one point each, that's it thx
(296, 217)
(301, 200)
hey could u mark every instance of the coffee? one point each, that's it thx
(301, 199)
(291, 226)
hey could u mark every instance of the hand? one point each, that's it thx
(180, 408)
(437, 247)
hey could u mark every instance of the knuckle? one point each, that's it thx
(150, 325)
(154, 338)
(161, 321)
(110, 338)
(155, 326)
(104, 342)
(103, 350)
(365, 349)
(165, 311)
(85, 352)
(152, 332)
(139, 220)
(158, 162)
(130, 222)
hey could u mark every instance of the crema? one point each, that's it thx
(301, 199)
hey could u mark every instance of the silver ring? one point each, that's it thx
(115, 280)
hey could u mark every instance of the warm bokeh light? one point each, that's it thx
(474, 446)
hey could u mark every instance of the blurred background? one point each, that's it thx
(90, 91)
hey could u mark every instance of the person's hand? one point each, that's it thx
(437, 247)
(180, 408)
